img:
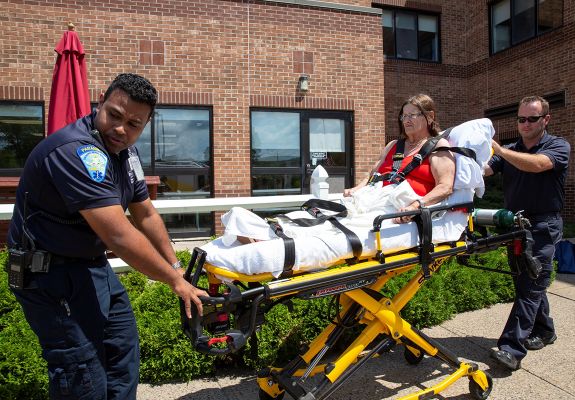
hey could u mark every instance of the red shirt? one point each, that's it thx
(420, 178)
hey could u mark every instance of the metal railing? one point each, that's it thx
(190, 206)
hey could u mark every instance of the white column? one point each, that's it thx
(318, 186)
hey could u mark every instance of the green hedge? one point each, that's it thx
(167, 356)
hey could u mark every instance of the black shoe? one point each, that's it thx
(506, 359)
(538, 342)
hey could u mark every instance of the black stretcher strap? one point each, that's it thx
(464, 151)
(398, 156)
(424, 227)
(289, 248)
(397, 159)
(398, 176)
(314, 207)
(356, 246)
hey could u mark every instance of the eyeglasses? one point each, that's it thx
(403, 117)
(531, 119)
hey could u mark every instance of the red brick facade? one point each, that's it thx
(469, 81)
(233, 55)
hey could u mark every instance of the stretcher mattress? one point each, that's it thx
(315, 252)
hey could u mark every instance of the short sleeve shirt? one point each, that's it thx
(67, 172)
(535, 193)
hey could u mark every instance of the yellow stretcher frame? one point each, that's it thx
(361, 303)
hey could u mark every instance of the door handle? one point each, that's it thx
(309, 169)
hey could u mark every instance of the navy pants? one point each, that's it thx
(87, 330)
(530, 312)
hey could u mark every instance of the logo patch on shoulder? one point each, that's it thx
(94, 160)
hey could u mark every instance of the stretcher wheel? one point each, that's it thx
(411, 357)
(477, 392)
(263, 395)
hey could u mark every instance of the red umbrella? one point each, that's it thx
(69, 97)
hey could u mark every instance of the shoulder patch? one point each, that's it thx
(95, 161)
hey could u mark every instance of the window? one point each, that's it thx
(176, 146)
(276, 146)
(556, 100)
(411, 35)
(515, 21)
(21, 129)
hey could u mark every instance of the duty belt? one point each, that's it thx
(60, 260)
(542, 216)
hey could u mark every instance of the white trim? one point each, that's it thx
(329, 5)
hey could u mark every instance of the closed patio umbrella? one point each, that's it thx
(69, 97)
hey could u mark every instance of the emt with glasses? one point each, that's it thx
(534, 170)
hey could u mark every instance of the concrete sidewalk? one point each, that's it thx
(545, 374)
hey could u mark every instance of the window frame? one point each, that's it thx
(535, 22)
(17, 172)
(417, 13)
(153, 170)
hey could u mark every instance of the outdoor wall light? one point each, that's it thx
(303, 83)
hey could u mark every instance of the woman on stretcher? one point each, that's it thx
(433, 178)
(434, 181)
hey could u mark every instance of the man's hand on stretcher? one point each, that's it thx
(188, 293)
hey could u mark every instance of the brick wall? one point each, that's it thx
(228, 54)
(233, 55)
(470, 81)
(538, 66)
(228, 50)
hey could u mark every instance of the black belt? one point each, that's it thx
(542, 216)
(56, 259)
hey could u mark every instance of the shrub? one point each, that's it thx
(167, 355)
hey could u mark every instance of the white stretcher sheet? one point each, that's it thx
(324, 245)
(328, 246)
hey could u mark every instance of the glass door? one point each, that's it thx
(328, 139)
(287, 145)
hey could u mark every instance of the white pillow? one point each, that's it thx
(476, 135)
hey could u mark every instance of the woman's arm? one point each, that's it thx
(363, 182)
(442, 166)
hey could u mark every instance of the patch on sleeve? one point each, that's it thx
(94, 160)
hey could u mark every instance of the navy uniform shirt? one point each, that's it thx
(67, 172)
(535, 193)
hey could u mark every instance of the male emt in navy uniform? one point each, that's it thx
(534, 170)
(70, 208)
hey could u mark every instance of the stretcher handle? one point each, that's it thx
(208, 300)
(233, 295)
(197, 260)
(232, 340)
